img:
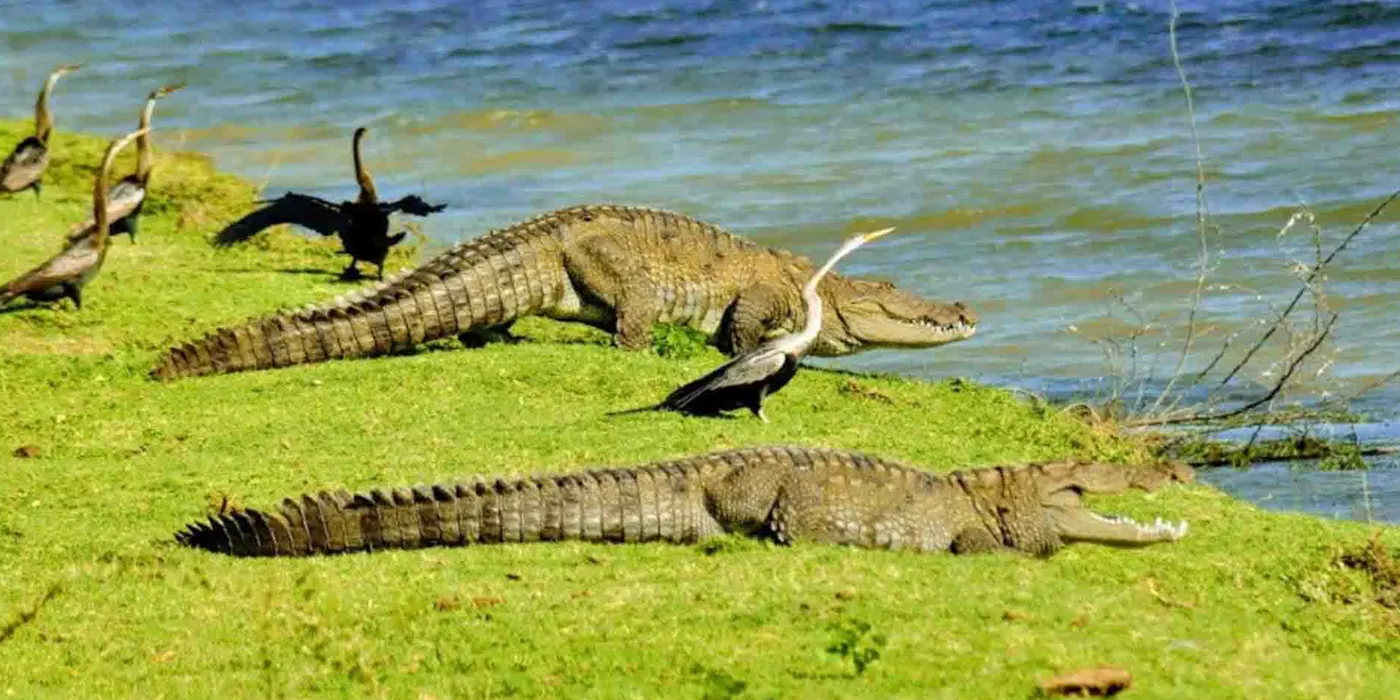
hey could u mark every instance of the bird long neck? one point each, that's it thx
(99, 200)
(367, 193)
(99, 189)
(813, 300)
(144, 158)
(43, 120)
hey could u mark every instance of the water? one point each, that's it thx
(1035, 154)
(1350, 495)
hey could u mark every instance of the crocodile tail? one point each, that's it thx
(483, 283)
(625, 505)
(369, 327)
(390, 319)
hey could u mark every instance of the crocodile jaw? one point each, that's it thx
(920, 333)
(1084, 525)
(846, 330)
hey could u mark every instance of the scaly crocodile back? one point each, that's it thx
(476, 284)
(661, 501)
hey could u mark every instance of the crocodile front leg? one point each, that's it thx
(761, 312)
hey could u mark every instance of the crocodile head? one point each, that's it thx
(1062, 486)
(865, 314)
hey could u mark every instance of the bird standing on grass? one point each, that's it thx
(65, 274)
(746, 380)
(24, 168)
(363, 225)
(128, 196)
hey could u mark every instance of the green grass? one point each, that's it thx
(1251, 604)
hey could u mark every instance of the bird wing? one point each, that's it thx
(412, 204)
(64, 267)
(122, 200)
(749, 368)
(24, 165)
(317, 214)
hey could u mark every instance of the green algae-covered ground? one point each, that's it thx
(97, 601)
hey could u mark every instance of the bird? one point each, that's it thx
(65, 274)
(128, 196)
(24, 168)
(363, 225)
(745, 381)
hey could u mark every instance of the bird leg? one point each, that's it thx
(351, 272)
(38, 189)
(756, 403)
(74, 292)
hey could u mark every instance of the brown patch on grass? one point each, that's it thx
(1377, 562)
(1103, 682)
(26, 452)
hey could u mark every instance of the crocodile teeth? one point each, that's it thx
(1173, 531)
(959, 327)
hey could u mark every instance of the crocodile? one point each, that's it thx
(619, 268)
(787, 494)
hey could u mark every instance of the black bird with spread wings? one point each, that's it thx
(24, 168)
(363, 225)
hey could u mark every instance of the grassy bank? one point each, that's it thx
(96, 601)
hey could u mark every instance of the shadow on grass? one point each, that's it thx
(319, 271)
(33, 306)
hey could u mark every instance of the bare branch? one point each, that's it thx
(1201, 214)
(1346, 399)
(1278, 387)
(1316, 270)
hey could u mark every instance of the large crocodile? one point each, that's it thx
(786, 493)
(622, 269)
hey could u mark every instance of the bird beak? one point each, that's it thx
(868, 237)
(65, 70)
(169, 89)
